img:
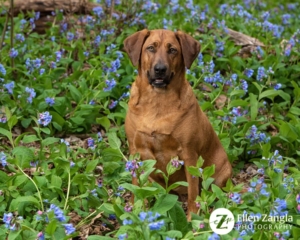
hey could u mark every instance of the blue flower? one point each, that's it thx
(20, 37)
(59, 214)
(58, 55)
(156, 225)
(7, 217)
(69, 228)
(10, 86)
(3, 119)
(248, 72)
(98, 11)
(277, 86)
(110, 85)
(2, 70)
(44, 118)
(91, 143)
(286, 18)
(97, 40)
(41, 236)
(127, 222)
(123, 236)
(244, 85)
(50, 101)
(142, 216)
(42, 70)
(214, 236)
(13, 53)
(112, 104)
(32, 94)
(70, 36)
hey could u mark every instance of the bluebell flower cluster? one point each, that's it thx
(279, 208)
(98, 11)
(66, 143)
(41, 236)
(132, 166)
(244, 85)
(32, 94)
(235, 197)
(3, 159)
(3, 119)
(2, 70)
(152, 220)
(110, 85)
(91, 143)
(23, 23)
(286, 19)
(69, 228)
(70, 36)
(176, 163)
(258, 186)
(7, 219)
(33, 64)
(9, 87)
(113, 104)
(44, 118)
(50, 101)
(257, 137)
(58, 213)
(13, 53)
(20, 37)
(248, 72)
(214, 236)
(123, 236)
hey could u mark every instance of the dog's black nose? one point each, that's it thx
(160, 69)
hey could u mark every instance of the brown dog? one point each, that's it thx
(164, 119)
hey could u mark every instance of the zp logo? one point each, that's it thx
(221, 221)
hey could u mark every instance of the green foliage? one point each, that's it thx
(73, 80)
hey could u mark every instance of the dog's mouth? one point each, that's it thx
(159, 81)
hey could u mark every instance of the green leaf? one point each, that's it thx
(24, 199)
(75, 93)
(295, 110)
(113, 140)
(208, 171)
(207, 182)
(194, 171)
(56, 181)
(178, 218)
(103, 121)
(177, 184)
(97, 237)
(237, 103)
(30, 139)
(45, 130)
(269, 94)
(7, 134)
(13, 234)
(164, 203)
(23, 156)
(50, 140)
(110, 154)
(287, 131)
(253, 106)
(90, 167)
(110, 167)
(12, 121)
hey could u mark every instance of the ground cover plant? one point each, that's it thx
(65, 171)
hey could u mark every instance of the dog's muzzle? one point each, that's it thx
(159, 77)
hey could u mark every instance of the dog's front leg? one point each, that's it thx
(193, 191)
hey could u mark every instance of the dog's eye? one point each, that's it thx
(150, 48)
(172, 50)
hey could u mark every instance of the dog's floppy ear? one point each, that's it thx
(190, 48)
(133, 45)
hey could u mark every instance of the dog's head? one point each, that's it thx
(161, 54)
